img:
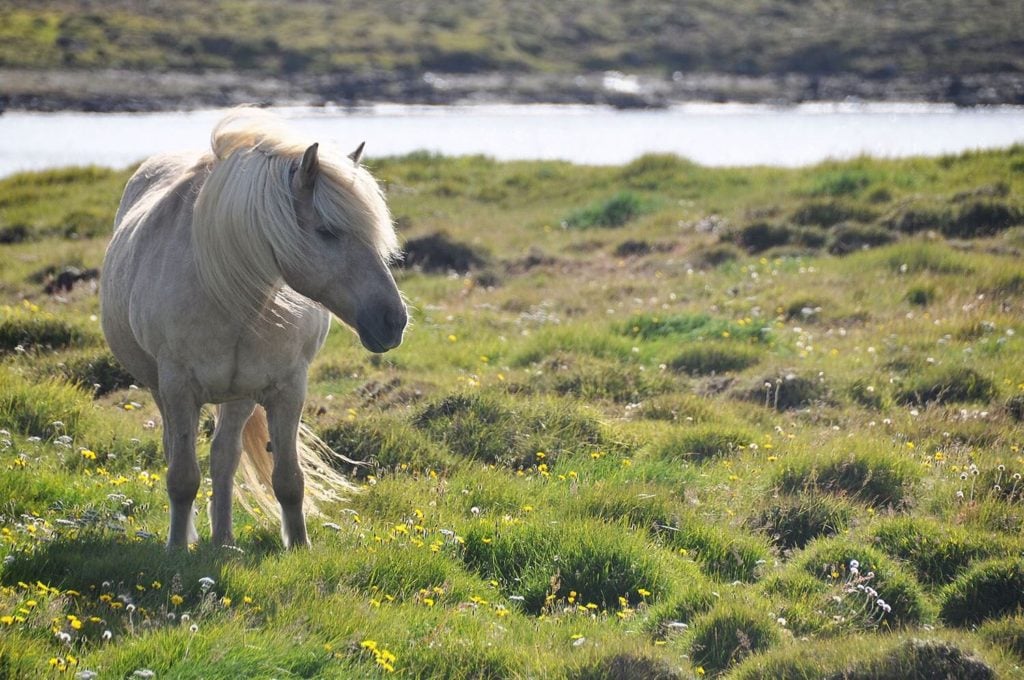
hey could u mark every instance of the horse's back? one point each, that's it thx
(155, 179)
(151, 224)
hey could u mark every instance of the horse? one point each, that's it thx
(218, 287)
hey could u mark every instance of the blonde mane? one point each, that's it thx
(244, 226)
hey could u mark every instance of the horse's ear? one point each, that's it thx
(309, 166)
(357, 154)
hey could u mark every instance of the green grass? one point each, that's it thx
(747, 38)
(579, 464)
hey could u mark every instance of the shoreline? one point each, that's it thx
(132, 91)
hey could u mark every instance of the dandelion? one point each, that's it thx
(177, 600)
(206, 583)
(107, 635)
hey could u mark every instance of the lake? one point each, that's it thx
(710, 134)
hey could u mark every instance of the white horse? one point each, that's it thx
(214, 290)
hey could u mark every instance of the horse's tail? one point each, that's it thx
(323, 482)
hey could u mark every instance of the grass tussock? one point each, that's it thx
(988, 590)
(871, 477)
(729, 633)
(27, 328)
(852, 578)
(947, 384)
(45, 409)
(507, 431)
(541, 565)
(714, 358)
(912, 656)
(937, 553)
(791, 522)
(702, 443)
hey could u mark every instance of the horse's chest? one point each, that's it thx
(227, 362)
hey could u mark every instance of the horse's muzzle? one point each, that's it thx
(381, 332)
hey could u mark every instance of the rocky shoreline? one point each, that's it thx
(131, 91)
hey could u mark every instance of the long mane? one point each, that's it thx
(244, 222)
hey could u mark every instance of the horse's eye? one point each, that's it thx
(324, 232)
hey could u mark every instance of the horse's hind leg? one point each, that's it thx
(225, 451)
(180, 412)
(284, 409)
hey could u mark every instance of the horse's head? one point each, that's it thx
(348, 241)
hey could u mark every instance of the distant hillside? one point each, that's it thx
(876, 40)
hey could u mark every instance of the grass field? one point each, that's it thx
(650, 421)
(875, 39)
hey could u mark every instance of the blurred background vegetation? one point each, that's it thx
(866, 38)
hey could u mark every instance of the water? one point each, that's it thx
(710, 134)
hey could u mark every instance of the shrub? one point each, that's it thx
(439, 253)
(702, 443)
(945, 384)
(988, 590)
(713, 358)
(873, 478)
(728, 634)
(618, 210)
(792, 521)
(506, 431)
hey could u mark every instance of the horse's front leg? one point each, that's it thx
(180, 411)
(225, 452)
(284, 408)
